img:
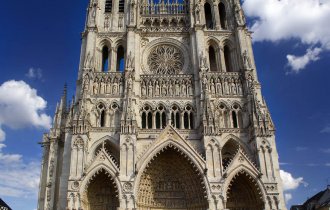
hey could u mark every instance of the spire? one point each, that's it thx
(63, 98)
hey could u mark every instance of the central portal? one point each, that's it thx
(171, 182)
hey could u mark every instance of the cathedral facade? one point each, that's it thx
(168, 114)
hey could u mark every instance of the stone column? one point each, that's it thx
(216, 16)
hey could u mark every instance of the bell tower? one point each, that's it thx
(168, 114)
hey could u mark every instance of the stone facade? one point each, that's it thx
(168, 114)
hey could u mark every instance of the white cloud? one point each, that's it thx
(304, 20)
(327, 164)
(289, 182)
(34, 73)
(17, 178)
(297, 63)
(20, 107)
(326, 129)
(287, 197)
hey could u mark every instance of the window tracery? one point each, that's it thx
(166, 59)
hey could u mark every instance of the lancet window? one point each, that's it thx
(228, 61)
(160, 117)
(107, 117)
(147, 117)
(102, 115)
(212, 59)
(108, 6)
(236, 115)
(175, 116)
(208, 16)
(105, 59)
(188, 118)
(121, 5)
(223, 15)
(120, 59)
(223, 116)
(157, 118)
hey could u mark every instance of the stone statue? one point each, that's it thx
(246, 60)
(130, 60)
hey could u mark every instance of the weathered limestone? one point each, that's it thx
(168, 114)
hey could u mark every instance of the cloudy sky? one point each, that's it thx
(39, 52)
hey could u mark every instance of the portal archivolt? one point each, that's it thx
(171, 182)
(101, 193)
(244, 193)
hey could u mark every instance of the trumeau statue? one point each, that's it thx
(161, 119)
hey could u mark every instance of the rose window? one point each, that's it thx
(165, 59)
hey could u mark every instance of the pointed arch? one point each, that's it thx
(181, 147)
(209, 23)
(160, 162)
(104, 180)
(243, 189)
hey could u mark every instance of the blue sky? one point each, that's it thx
(40, 47)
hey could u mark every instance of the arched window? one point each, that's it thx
(158, 120)
(163, 120)
(121, 5)
(102, 119)
(227, 59)
(149, 120)
(188, 118)
(234, 119)
(108, 6)
(146, 117)
(175, 117)
(208, 16)
(160, 117)
(223, 116)
(237, 117)
(120, 59)
(144, 120)
(105, 59)
(212, 59)
(223, 15)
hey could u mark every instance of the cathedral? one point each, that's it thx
(168, 114)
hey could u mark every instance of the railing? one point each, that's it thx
(162, 8)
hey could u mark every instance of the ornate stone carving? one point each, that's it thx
(165, 59)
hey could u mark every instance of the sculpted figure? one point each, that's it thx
(130, 60)
(96, 87)
(143, 89)
(177, 88)
(164, 89)
(170, 88)
(219, 87)
(150, 89)
(246, 60)
(157, 88)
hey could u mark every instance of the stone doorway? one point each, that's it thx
(171, 182)
(244, 193)
(101, 193)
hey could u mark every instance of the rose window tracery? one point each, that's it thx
(165, 59)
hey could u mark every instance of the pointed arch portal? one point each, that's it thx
(101, 193)
(244, 194)
(171, 182)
